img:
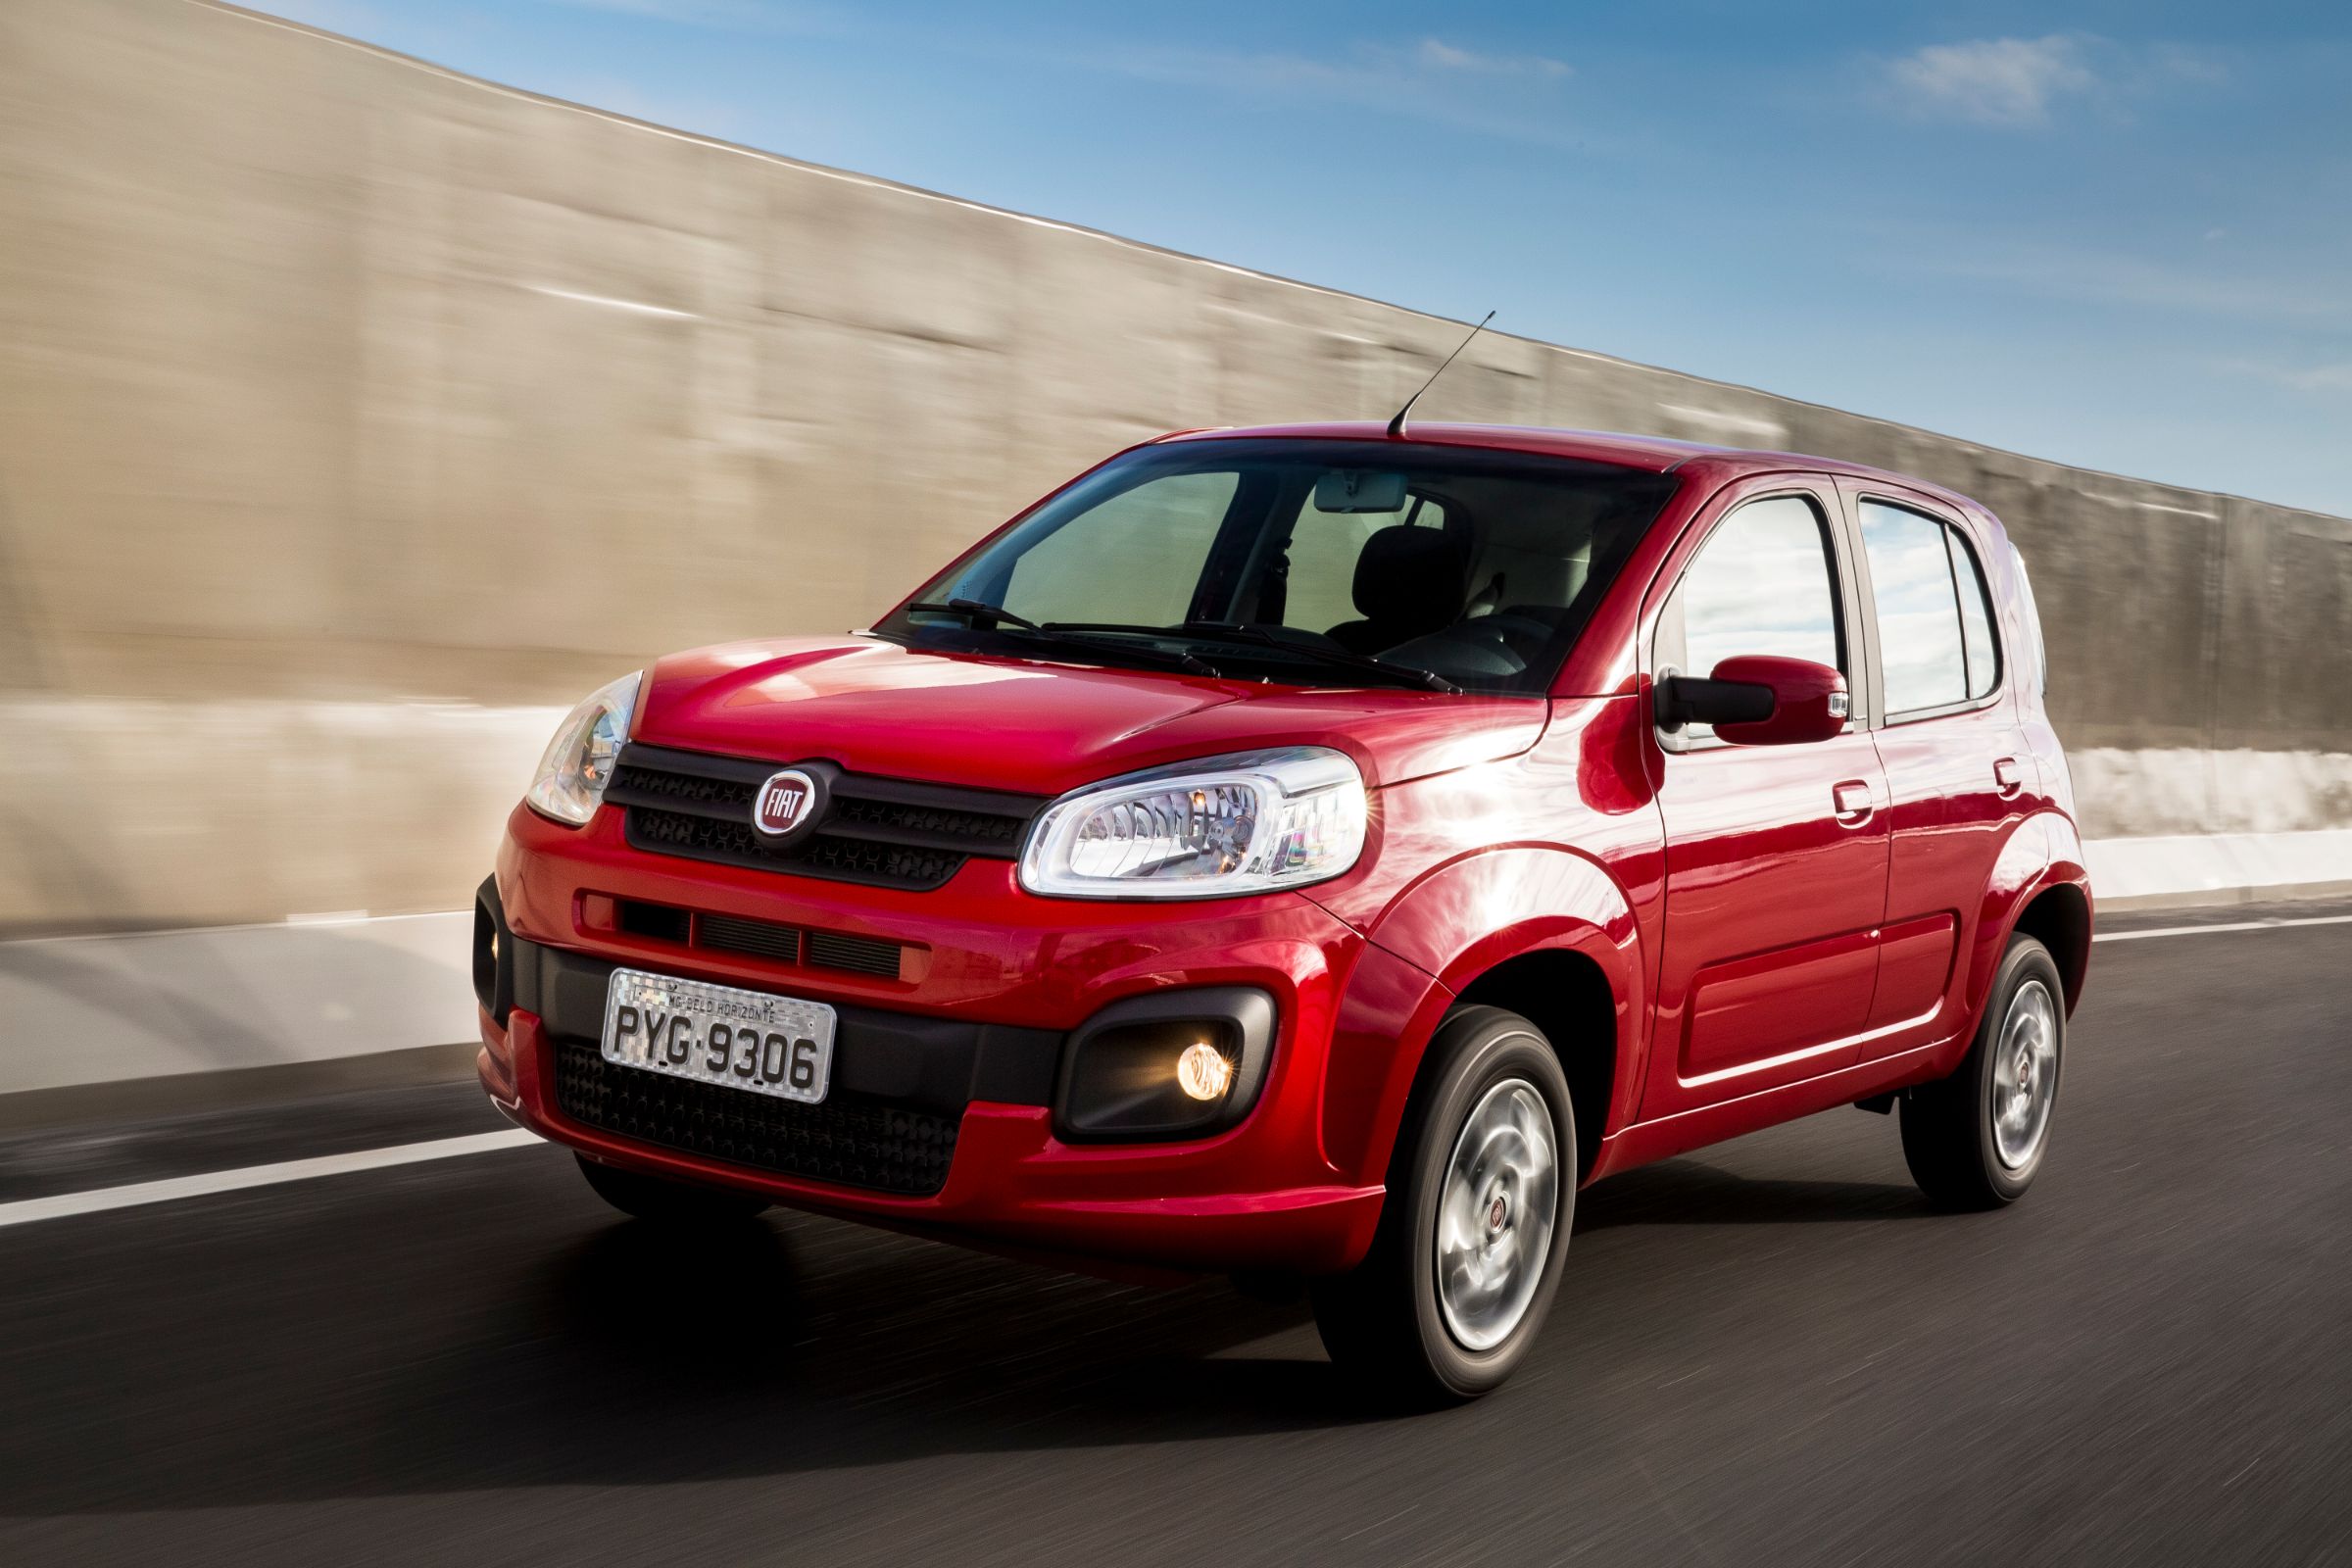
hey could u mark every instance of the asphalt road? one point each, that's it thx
(1773, 1353)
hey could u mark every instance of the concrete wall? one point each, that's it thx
(355, 416)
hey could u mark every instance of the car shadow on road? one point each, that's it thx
(1690, 1192)
(544, 1344)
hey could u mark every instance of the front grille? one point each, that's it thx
(633, 779)
(884, 832)
(849, 1141)
(978, 829)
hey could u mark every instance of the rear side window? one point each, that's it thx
(1763, 583)
(1936, 639)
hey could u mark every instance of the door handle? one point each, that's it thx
(1851, 797)
(2007, 777)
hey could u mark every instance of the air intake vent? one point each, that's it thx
(761, 939)
(862, 954)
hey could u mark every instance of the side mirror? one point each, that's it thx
(1758, 700)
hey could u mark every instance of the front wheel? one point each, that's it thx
(1975, 1139)
(1480, 1190)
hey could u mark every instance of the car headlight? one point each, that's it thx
(1211, 828)
(579, 762)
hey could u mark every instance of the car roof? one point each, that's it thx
(1650, 453)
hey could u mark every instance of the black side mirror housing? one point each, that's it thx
(1682, 699)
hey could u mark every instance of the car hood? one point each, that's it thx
(1037, 727)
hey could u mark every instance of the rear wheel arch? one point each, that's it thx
(2058, 916)
(2038, 874)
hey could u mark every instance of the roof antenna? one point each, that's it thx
(1396, 425)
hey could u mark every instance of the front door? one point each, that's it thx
(1776, 856)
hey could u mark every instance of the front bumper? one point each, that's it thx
(910, 1078)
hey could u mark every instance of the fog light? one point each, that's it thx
(1203, 1071)
(1183, 1062)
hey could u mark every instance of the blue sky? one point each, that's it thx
(2118, 235)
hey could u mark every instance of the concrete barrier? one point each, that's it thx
(355, 417)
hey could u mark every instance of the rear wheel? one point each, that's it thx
(1977, 1139)
(1480, 1190)
(668, 1203)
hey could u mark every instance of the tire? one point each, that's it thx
(678, 1205)
(1401, 1325)
(1975, 1139)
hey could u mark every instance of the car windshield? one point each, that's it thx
(1309, 562)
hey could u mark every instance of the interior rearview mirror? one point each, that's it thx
(1359, 490)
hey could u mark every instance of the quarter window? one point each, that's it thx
(1975, 618)
(1936, 642)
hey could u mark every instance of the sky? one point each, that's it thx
(2115, 236)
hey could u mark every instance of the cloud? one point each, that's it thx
(2336, 377)
(1509, 97)
(1991, 82)
(1446, 57)
(2223, 288)
(2020, 83)
(724, 16)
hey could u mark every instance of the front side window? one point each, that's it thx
(1936, 639)
(1308, 561)
(1765, 582)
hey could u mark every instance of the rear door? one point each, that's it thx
(1776, 856)
(1956, 757)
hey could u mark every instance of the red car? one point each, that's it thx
(1314, 853)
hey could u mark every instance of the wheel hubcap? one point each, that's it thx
(1495, 1214)
(2025, 1075)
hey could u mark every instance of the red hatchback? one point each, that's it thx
(1314, 853)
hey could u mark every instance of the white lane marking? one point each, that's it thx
(2237, 925)
(98, 1199)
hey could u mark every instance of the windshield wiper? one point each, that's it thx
(1005, 620)
(1270, 637)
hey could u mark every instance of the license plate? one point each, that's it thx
(747, 1040)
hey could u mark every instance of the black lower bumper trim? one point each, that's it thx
(849, 1140)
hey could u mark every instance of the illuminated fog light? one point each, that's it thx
(1186, 1063)
(1202, 1072)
